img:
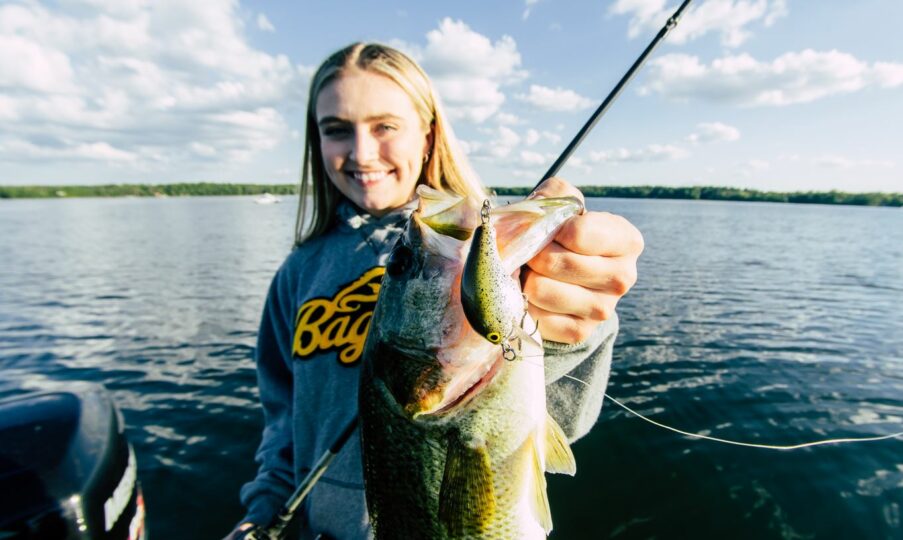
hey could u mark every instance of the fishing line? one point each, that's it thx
(720, 440)
(740, 443)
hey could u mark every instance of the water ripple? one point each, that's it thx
(763, 323)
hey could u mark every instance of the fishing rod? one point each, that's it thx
(613, 95)
(274, 530)
(280, 522)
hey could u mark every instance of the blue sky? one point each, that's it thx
(767, 94)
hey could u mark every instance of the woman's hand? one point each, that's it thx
(576, 281)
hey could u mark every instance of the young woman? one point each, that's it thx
(375, 130)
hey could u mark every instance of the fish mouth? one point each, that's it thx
(452, 402)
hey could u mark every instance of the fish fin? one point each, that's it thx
(445, 213)
(559, 457)
(433, 201)
(467, 497)
(526, 227)
(538, 206)
(540, 499)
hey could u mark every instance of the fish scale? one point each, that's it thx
(456, 439)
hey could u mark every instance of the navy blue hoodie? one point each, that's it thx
(308, 360)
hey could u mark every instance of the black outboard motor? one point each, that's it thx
(67, 471)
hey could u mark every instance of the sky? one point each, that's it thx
(783, 95)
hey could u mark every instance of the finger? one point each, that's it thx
(612, 275)
(556, 187)
(562, 328)
(566, 298)
(601, 233)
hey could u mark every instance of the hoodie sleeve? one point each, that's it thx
(274, 483)
(574, 404)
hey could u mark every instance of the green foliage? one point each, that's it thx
(713, 193)
(630, 192)
(145, 190)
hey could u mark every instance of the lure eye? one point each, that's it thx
(494, 337)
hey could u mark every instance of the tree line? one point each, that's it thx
(630, 192)
(713, 193)
(146, 190)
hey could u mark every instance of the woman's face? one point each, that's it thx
(372, 140)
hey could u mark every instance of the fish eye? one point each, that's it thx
(494, 337)
(400, 260)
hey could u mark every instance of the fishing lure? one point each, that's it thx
(493, 302)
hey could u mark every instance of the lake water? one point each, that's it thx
(765, 323)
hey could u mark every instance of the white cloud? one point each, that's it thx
(728, 17)
(528, 6)
(72, 151)
(116, 8)
(469, 147)
(260, 127)
(794, 77)
(531, 165)
(644, 14)
(579, 164)
(533, 158)
(201, 149)
(508, 119)
(264, 24)
(499, 144)
(533, 136)
(834, 161)
(138, 83)
(26, 65)
(751, 167)
(886, 163)
(504, 147)
(555, 99)
(714, 132)
(523, 174)
(776, 10)
(505, 142)
(653, 152)
(467, 68)
(552, 137)
(888, 75)
(101, 151)
(8, 111)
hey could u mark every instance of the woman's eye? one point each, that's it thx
(386, 127)
(335, 131)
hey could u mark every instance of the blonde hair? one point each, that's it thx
(446, 168)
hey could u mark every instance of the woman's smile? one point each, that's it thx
(369, 178)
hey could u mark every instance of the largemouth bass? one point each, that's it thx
(455, 434)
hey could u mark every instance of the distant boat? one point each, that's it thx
(267, 198)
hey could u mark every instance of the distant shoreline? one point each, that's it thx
(711, 193)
